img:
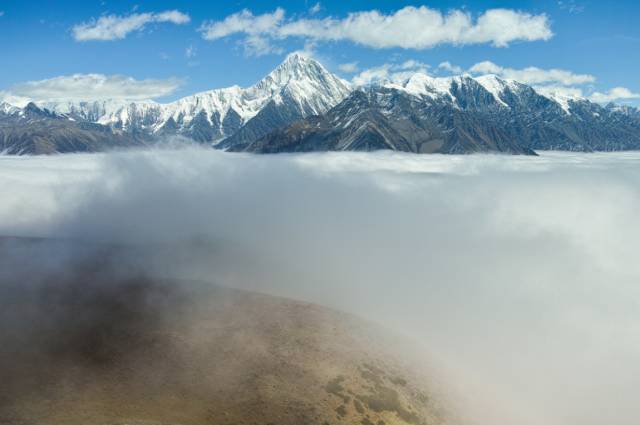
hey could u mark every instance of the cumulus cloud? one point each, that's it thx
(408, 28)
(393, 72)
(113, 27)
(520, 272)
(257, 29)
(616, 93)
(93, 86)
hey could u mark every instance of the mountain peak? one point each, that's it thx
(296, 66)
(296, 58)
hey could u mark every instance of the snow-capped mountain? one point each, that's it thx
(424, 119)
(455, 115)
(33, 130)
(301, 85)
(301, 106)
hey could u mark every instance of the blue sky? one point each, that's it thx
(160, 49)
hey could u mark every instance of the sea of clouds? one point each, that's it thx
(520, 275)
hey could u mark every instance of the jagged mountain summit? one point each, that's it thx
(300, 106)
(458, 115)
(300, 86)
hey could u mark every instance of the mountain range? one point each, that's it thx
(301, 106)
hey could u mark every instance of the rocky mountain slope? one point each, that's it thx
(295, 89)
(300, 106)
(90, 342)
(387, 118)
(458, 115)
(31, 130)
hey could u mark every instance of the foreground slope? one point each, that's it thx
(93, 344)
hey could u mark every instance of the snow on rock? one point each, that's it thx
(301, 79)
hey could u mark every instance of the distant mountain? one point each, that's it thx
(295, 89)
(32, 130)
(386, 118)
(300, 106)
(458, 115)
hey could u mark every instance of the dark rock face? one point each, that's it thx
(383, 118)
(38, 131)
(272, 117)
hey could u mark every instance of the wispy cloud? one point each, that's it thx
(315, 8)
(113, 27)
(190, 52)
(571, 6)
(93, 86)
(408, 28)
(449, 67)
(349, 67)
(532, 74)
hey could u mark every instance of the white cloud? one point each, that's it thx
(616, 93)
(409, 27)
(243, 22)
(394, 72)
(557, 91)
(92, 86)
(533, 75)
(315, 9)
(256, 29)
(349, 67)
(113, 27)
(449, 67)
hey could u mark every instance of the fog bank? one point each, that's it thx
(517, 274)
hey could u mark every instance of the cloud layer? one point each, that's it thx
(520, 272)
(113, 27)
(408, 28)
(91, 87)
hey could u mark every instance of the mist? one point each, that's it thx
(518, 276)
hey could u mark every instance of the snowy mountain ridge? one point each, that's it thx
(421, 113)
(303, 80)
